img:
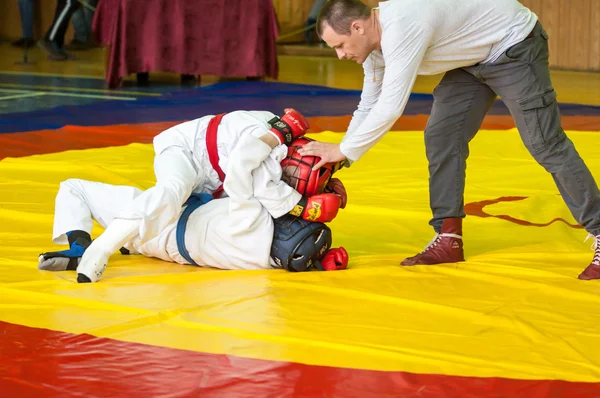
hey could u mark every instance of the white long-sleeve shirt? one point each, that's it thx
(426, 37)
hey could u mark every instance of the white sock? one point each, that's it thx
(95, 259)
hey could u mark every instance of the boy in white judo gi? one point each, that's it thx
(235, 232)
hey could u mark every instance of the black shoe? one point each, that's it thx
(54, 53)
(23, 41)
(190, 80)
(143, 78)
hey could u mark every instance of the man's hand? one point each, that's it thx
(329, 153)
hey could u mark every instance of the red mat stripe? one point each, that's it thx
(44, 363)
(81, 137)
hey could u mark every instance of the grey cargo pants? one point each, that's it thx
(522, 80)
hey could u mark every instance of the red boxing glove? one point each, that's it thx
(291, 126)
(335, 186)
(335, 259)
(318, 208)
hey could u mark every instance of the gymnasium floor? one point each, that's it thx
(511, 321)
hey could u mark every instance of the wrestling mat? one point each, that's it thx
(511, 321)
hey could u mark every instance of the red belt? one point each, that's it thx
(213, 153)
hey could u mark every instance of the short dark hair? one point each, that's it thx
(339, 14)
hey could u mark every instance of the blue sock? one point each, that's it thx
(78, 242)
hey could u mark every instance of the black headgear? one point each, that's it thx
(298, 245)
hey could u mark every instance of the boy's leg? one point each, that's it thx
(77, 204)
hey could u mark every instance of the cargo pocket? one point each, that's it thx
(519, 51)
(542, 120)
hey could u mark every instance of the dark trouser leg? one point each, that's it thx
(522, 78)
(460, 104)
(26, 9)
(62, 16)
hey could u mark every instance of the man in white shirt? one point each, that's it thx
(487, 48)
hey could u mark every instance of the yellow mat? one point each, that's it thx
(514, 309)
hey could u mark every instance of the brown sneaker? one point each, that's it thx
(593, 270)
(446, 247)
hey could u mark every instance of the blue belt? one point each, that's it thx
(194, 201)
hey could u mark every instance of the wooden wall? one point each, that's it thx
(574, 30)
(573, 26)
(292, 15)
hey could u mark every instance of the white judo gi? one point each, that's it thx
(182, 166)
(234, 232)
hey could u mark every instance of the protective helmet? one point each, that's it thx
(298, 245)
(298, 173)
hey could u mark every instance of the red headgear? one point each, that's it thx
(298, 173)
